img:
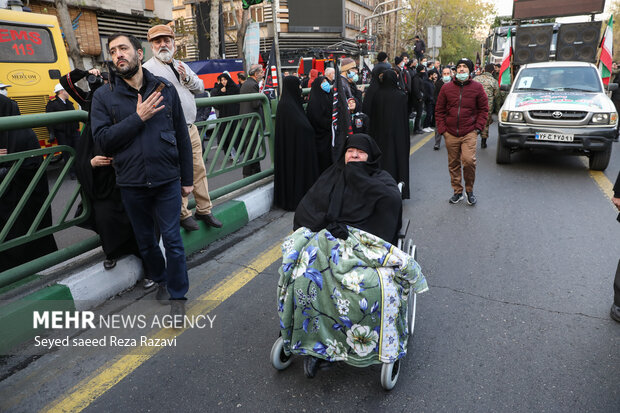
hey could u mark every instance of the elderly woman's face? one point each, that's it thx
(355, 155)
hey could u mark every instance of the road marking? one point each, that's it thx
(107, 376)
(601, 180)
(111, 373)
(421, 143)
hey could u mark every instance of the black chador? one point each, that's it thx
(319, 111)
(296, 166)
(389, 127)
(359, 194)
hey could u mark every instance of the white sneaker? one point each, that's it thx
(427, 130)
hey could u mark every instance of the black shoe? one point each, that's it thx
(72, 176)
(162, 295)
(109, 263)
(177, 312)
(418, 132)
(436, 147)
(483, 143)
(148, 283)
(456, 198)
(209, 219)
(614, 313)
(190, 224)
(471, 198)
(311, 366)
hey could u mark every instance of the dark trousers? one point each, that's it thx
(147, 207)
(418, 107)
(617, 286)
(429, 120)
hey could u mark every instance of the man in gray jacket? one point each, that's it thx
(255, 75)
(187, 84)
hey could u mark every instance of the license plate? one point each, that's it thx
(558, 137)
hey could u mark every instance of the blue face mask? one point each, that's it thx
(353, 76)
(446, 79)
(326, 87)
(462, 76)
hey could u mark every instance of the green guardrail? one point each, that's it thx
(247, 144)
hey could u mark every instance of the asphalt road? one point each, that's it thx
(516, 318)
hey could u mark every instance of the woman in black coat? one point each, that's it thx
(296, 165)
(319, 111)
(98, 179)
(225, 86)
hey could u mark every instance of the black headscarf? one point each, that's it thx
(358, 194)
(319, 111)
(295, 158)
(230, 109)
(389, 126)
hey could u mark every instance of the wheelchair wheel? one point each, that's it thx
(412, 301)
(389, 374)
(279, 360)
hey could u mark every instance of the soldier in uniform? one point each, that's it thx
(491, 88)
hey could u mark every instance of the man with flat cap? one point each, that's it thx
(188, 85)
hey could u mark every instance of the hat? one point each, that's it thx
(158, 31)
(347, 63)
(420, 68)
(467, 62)
(397, 60)
(58, 88)
(3, 86)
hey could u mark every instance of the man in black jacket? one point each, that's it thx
(64, 133)
(615, 307)
(446, 77)
(416, 99)
(139, 122)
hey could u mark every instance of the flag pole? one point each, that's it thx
(275, 8)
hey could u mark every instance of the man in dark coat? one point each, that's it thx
(416, 99)
(461, 113)
(382, 61)
(64, 133)
(295, 158)
(136, 111)
(615, 307)
(12, 142)
(354, 191)
(255, 74)
(389, 126)
(419, 47)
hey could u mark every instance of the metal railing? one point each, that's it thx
(247, 144)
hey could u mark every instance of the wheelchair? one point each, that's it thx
(389, 370)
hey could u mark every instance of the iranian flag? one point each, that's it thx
(504, 70)
(606, 52)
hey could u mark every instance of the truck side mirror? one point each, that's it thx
(612, 86)
(505, 88)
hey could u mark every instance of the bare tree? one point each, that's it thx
(214, 25)
(67, 28)
(242, 27)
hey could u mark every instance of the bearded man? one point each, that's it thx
(188, 85)
(138, 120)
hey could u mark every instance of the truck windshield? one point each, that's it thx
(582, 79)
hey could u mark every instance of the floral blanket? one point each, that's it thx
(345, 300)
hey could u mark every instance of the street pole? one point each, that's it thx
(275, 8)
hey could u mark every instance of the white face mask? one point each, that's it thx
(4, 92)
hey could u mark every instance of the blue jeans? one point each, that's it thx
(144, 207)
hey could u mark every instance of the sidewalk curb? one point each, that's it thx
(93, 285)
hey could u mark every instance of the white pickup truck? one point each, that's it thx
(558, 105)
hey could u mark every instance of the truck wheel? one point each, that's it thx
(600, 160)
(502, 155)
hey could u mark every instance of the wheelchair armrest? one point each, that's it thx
(402, 232)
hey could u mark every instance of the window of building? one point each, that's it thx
(256, 14)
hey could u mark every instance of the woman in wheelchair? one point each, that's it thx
(355, 192)
(344, 288)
